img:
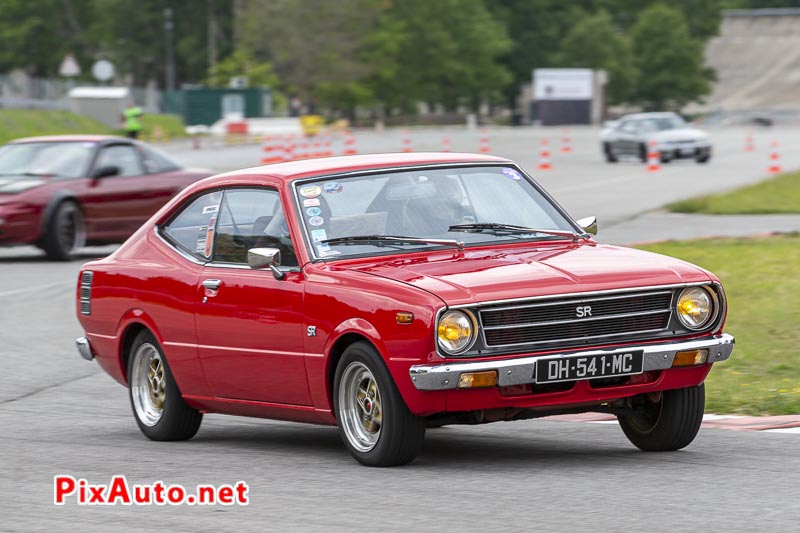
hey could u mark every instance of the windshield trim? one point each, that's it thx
(295, 184)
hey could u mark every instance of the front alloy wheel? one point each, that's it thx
(362, 414)
(665, 421)
(374, 421)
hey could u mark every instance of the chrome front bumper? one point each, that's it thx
(84, 348)
(523, 370)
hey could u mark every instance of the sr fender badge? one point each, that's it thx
(312, 331)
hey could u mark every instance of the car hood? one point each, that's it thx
(510, 273)
(14, 185)
(680, 134)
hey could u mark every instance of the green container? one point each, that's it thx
(207, 106)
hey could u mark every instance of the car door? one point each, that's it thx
(250, 324)
(627, 142)
(116, 205)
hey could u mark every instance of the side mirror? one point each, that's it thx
(588, 224)
(270, 258)
(106, 171)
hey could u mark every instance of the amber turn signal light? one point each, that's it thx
(690, 357)
(474, 380)
(404, 317)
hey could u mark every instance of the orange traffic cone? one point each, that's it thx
(407, 141)
(566, 142)
(273, 151)
(544, 156)
(749, 146)
(349, 143)
(775, 159)
(445, 144)
(653, 158)
(484, 141)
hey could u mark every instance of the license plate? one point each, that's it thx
(687, 151)
(589, 367)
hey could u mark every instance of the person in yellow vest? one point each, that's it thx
(130, 118)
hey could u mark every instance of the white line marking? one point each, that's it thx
(37, 288)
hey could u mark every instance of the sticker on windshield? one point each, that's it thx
(323, 247)
(313, 211)
(329, 253)
(311, 202)
(210, 209)
(513, 174)
(316, 221)
(318, 235)
(311, 191)
(332, 187)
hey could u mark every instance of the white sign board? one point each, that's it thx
(69, 66)
(103, 70)
(563, 84)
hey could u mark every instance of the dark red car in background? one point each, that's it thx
(63, 192)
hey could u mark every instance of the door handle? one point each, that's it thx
(212, 284)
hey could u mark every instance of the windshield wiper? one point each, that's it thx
(499, 229)
(391, 239)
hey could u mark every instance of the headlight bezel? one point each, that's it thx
(714, 305)
(470, 316)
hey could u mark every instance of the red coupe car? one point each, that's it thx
(63, 192)
(390, 293)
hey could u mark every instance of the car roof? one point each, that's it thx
(354, 163)
(68, 138)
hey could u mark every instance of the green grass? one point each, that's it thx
(780, 194)
(15, 123)
(762, 280)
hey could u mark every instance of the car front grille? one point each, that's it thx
(577, 320)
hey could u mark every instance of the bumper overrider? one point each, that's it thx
(522, 370)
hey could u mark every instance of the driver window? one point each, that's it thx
(251, 218)
(123, 156)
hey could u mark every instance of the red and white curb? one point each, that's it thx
(773, 424)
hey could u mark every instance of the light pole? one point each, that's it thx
(170, 67)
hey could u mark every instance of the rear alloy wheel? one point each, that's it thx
(374, 421)
(157, 404)
(65, 233)
(666, 421)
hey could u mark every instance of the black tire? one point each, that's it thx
(609, 153)
(64, 233)
(400, 434)
(704, 158)
(643, 153)
(669, 424)
(176, 421)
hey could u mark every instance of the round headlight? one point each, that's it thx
(455, 331)
(695, 307)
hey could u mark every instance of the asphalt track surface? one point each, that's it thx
(62, 415)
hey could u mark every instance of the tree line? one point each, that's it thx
(386, 54)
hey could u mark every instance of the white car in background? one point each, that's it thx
(672, 138)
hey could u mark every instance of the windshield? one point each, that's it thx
(673, 122)
(426, 204)
(56, 159)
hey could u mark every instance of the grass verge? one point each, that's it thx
(780, 194)
(15, 123)
(762, 282)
